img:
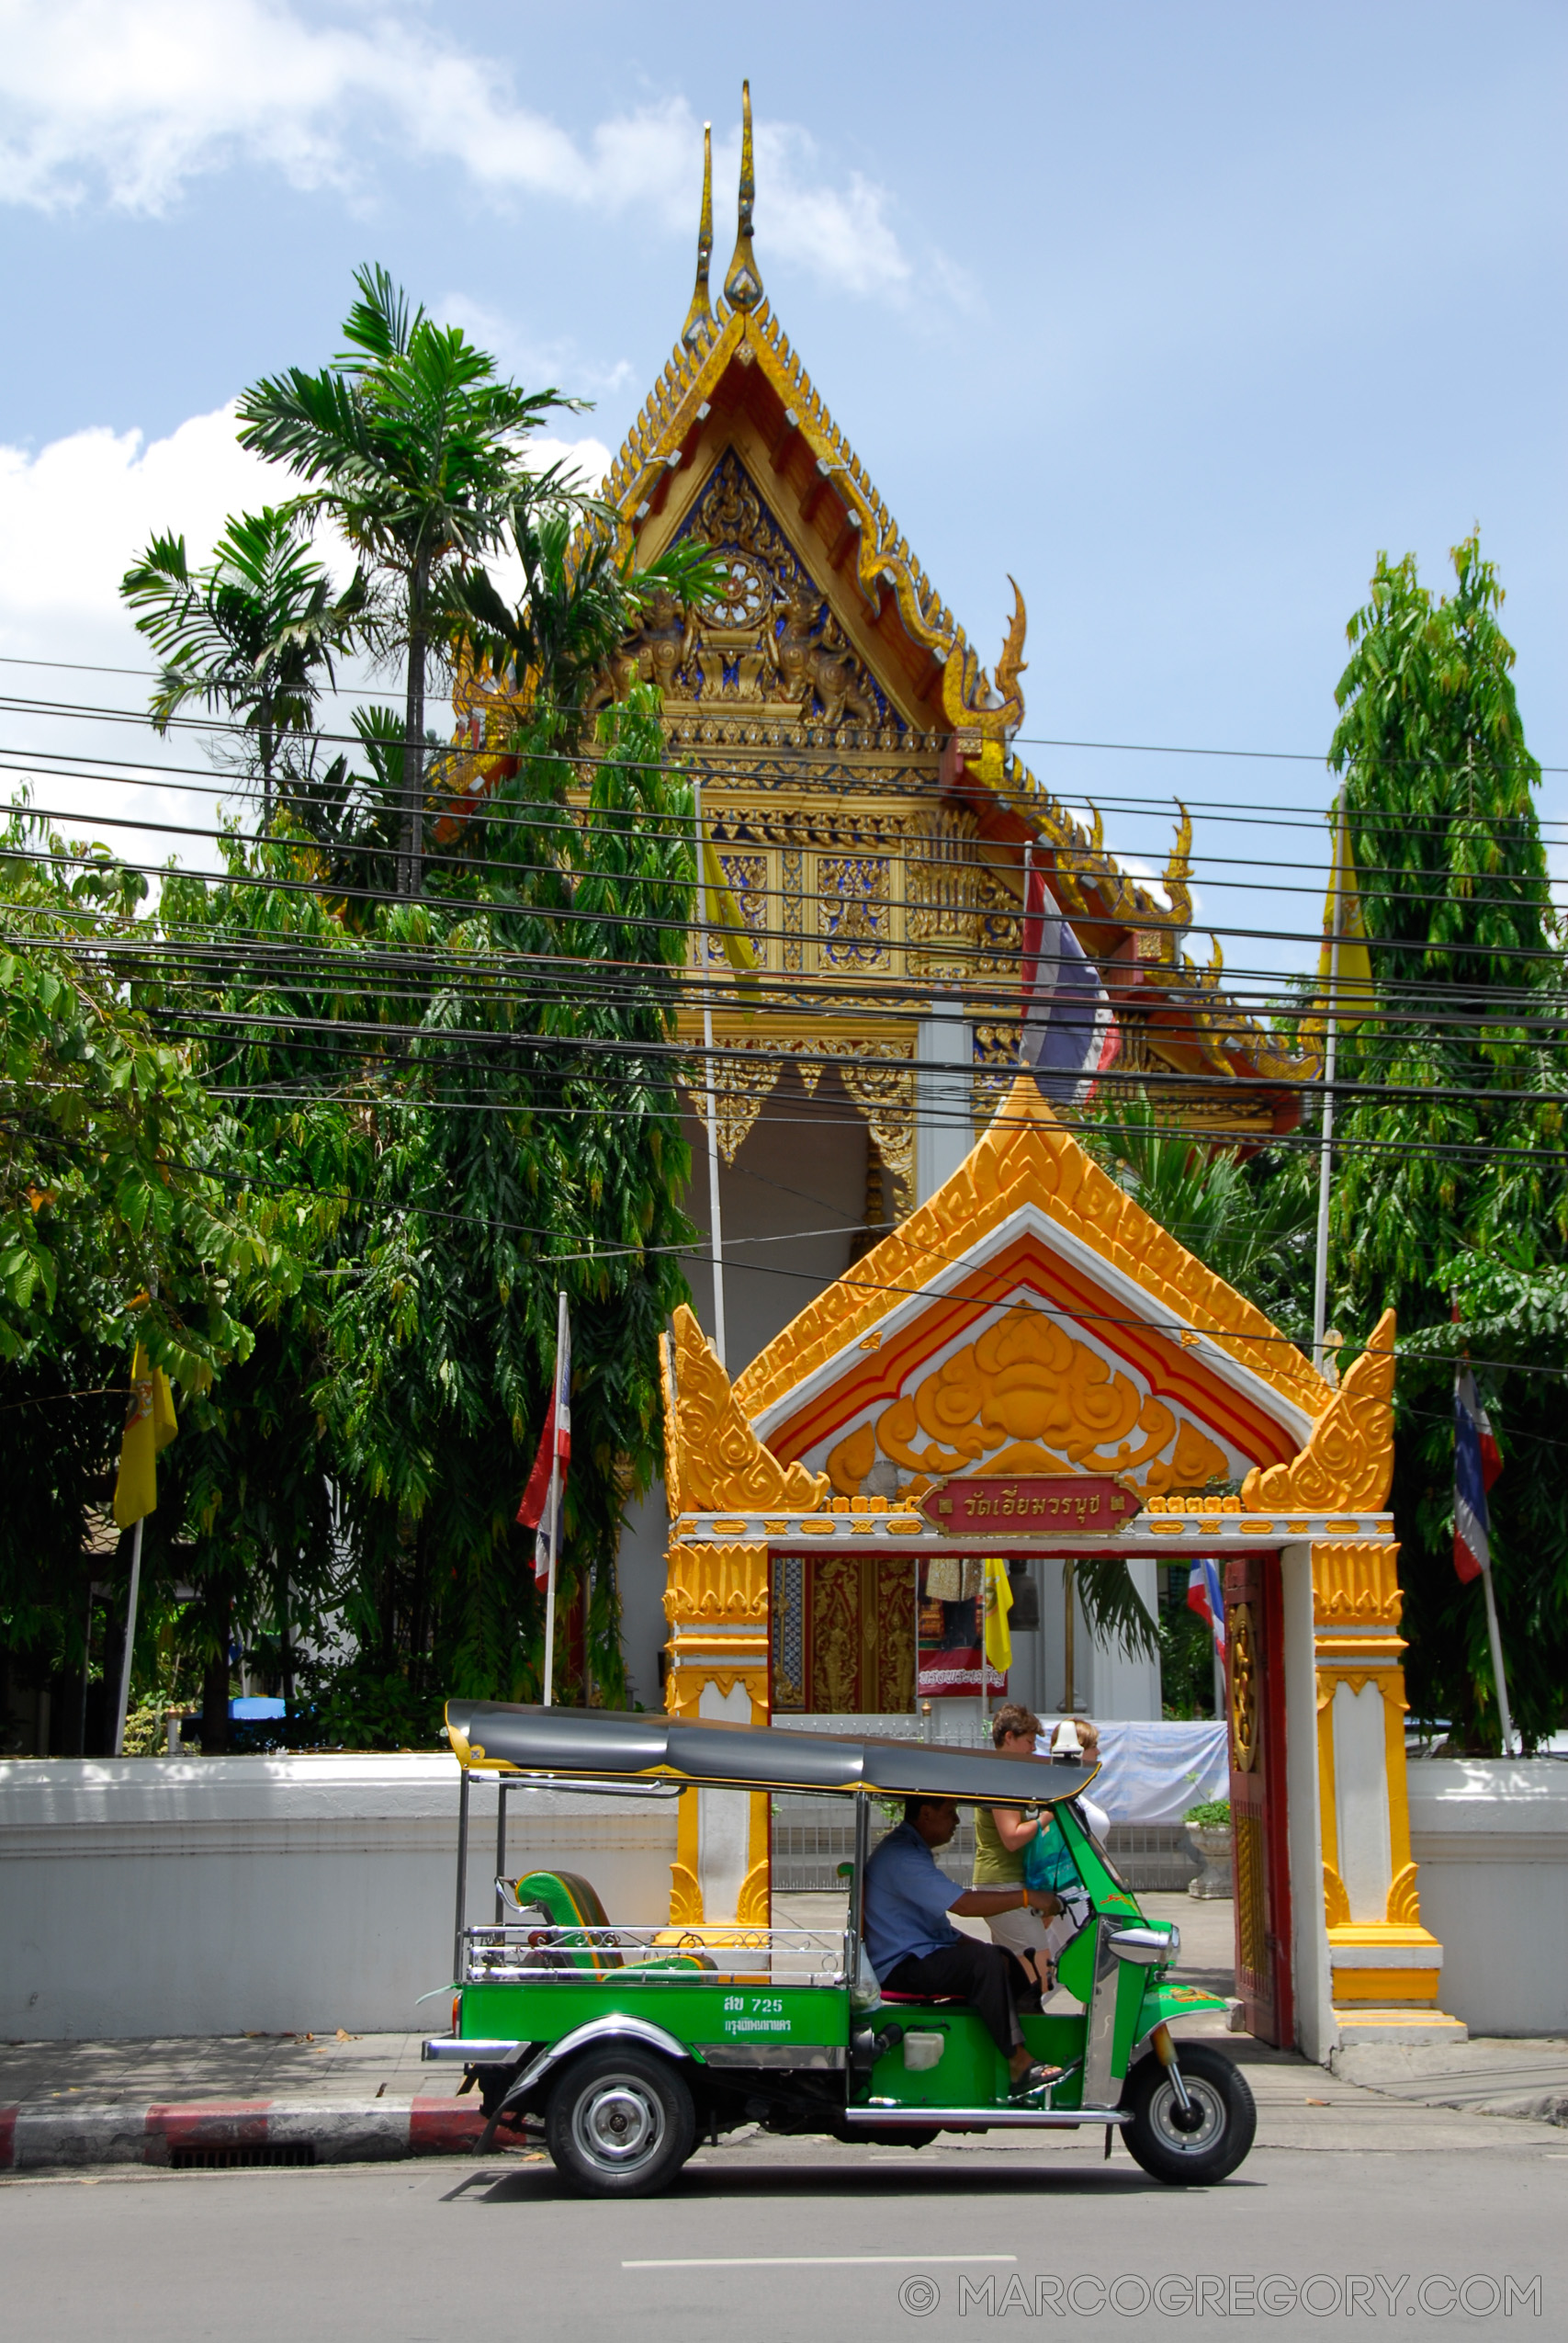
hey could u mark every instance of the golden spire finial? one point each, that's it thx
(743, 284)
(701, 312)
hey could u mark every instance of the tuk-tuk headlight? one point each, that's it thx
(1150, 1948)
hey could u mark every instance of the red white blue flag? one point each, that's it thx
(1068, 1029)
(554, 1454)
(1477, 1464)
(1205, 1595)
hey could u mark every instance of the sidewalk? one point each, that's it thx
(257, 2099)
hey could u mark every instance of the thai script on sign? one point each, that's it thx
(1084, 1504)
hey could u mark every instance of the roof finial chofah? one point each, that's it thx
(743, 284)
(701, 312)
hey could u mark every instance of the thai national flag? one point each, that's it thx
(1205, 1595)
(1476, 1465)
(1069, 1034)
(555, 1449)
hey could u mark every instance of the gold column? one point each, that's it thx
(717, 1604)
(1386, 1967)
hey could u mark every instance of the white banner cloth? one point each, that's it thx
(1153, 1772)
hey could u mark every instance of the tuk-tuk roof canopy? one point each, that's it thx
(607, 1745)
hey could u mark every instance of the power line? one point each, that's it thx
(1018, 739)
(679, 827)
(551, 1262)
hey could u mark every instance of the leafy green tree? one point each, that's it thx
(466, 1102)
(1452, 1188)
(412, 443)
(424, 1106)
(252, 634)
(112, 1229)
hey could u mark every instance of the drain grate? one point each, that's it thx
(230, 2160)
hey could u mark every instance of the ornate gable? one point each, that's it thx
(857, 759)
(1031, 1318)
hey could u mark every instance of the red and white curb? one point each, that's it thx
(40, 2138)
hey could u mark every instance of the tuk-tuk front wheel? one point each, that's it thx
(620, 2123)
(1206, 2141)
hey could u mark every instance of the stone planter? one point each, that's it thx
(1212, 1849)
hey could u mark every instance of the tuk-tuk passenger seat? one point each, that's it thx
(571, 1903)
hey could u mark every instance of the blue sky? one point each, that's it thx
(1176, 314)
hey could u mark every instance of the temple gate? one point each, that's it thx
(1030, 1330)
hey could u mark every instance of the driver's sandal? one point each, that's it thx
(1032, 2079)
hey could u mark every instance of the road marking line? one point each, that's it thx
(801, 2261)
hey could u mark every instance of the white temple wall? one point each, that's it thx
(944, 1081)
(800, 1175)
(1317, 2032)
(641, 1571)
(145, 1897)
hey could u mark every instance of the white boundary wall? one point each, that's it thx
(149, 1896)
(1490, 1840)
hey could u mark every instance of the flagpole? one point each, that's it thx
(716, 1231)
(1495, 1636)
(554, 1511)
(123, 1701)
(1493, 1632)
(1330, 1058)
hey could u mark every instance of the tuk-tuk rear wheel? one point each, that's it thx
(620, 2121)
(1207, 2143)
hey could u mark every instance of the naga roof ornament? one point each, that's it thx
(743, 281)
(700, 314)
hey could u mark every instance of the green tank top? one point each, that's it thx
(994, 1867)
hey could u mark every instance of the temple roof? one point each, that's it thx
(836, 668)
(734, 387)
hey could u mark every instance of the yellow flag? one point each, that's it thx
(150, 1425)
(1356, 991)
(725, 920)
(998, 1602)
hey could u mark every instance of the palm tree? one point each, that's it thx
(254, 633)
(413, 444)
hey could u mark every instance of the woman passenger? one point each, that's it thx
(1001, 1834)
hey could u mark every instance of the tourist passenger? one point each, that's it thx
(1001, 1835)
(915, 1949)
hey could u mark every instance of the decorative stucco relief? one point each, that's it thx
(720, 1463)
(1030, 1398)
(1348, 1461)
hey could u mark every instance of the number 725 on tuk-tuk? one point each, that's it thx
(630, 2042)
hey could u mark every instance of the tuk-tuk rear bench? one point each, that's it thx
(631, 2042)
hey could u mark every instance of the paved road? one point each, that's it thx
(1385, 2209)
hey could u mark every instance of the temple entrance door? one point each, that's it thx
(842, 1634)
(1256, 1701)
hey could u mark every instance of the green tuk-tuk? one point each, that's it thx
(632, 2042)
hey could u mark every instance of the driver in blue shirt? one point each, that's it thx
(915, 1949)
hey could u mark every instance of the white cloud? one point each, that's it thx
(126, 101)
(73, 515)
(844, 237)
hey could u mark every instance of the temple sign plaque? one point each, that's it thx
(1072, 1504)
